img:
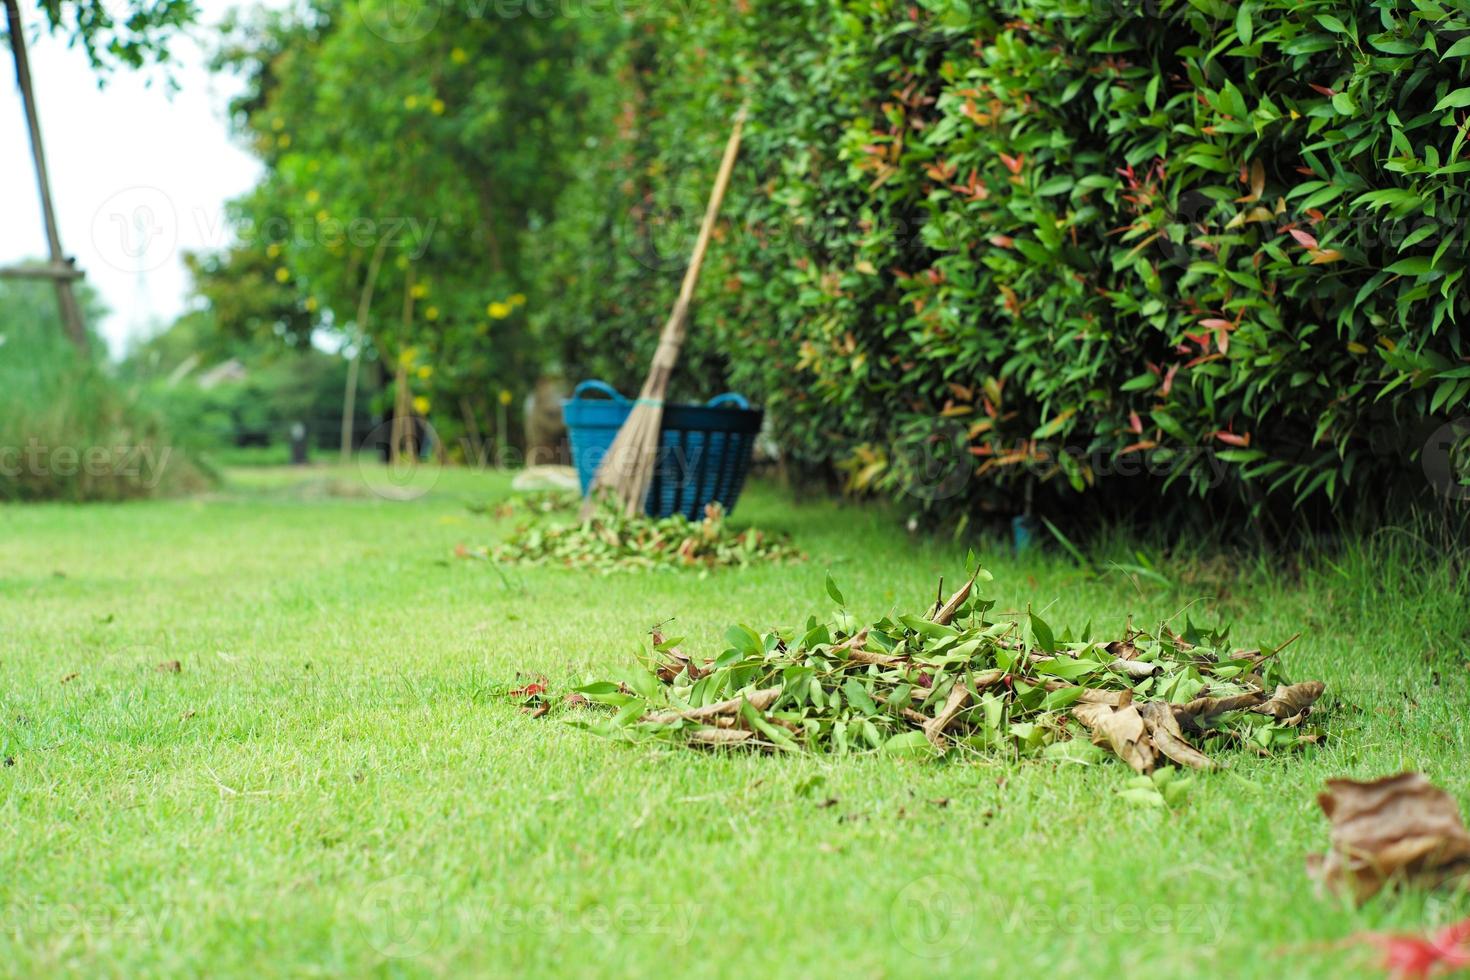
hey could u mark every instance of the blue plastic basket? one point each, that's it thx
(704, 450)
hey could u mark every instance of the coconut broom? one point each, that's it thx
(627, 469)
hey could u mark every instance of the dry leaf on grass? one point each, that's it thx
(1291, 701)
(1400, 828)
(1123, 730)
(1200, 713)
(759, 700)
(1168, 739)
(169, 667)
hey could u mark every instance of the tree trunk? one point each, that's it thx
(364, 308)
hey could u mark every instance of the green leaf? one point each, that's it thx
(1458, 99)
(745, 640)
(1043, 633)
(910, 745)
(1243, 25)
(1067, 668)
(1459, 49)
(858, 696)
(833, 591)
(1417, 265)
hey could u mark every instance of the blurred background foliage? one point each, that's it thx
(1202, 257)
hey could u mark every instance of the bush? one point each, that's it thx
(68, 431)
(976, 249)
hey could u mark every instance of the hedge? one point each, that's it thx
(974, 249)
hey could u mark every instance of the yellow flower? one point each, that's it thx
(412, 102)
(311, 304)
(407, 355)
(426, 372)
(504, 396)
(322, 216)
(498, 311)
(284, 140)
(420, 290)
(313, 196)
(272, 250)
(518, 299)
(431, 313)
(282, 274)
(421, 404)
(437, 107)
(459, 56)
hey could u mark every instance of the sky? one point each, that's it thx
(139, 174)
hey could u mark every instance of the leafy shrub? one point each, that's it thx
(68, 431)
(973, 249)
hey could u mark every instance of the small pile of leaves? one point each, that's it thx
(952, 680)
(536, 503)
(610, 540)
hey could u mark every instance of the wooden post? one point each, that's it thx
(62, 271)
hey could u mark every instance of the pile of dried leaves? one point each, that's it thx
(955, 680)
(609, 540)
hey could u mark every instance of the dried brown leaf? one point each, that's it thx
(947, 611)
(1400, 828)
(1164, 730)
(720, 736)
(1293, 700)
(1201, 711)
(1122, 730)
(957, 701)
(759, 700)
(675, 661)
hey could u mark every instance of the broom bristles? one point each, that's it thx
(627, 470)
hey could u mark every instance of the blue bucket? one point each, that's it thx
(704, 450)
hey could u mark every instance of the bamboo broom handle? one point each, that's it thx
(712, 211)
(672, 337)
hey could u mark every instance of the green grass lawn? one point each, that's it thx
(330, 787)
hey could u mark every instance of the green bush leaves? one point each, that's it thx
(1221, 245)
